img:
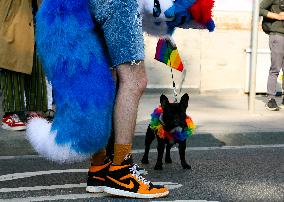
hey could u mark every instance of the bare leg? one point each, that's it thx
(132, 81)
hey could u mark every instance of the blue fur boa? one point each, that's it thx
(75, 62)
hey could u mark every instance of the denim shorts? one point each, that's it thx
(121, 23)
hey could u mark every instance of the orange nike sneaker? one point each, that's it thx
(96, 178)
(125, 180)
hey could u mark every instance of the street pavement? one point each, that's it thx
(235, 156)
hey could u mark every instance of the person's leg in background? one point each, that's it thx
(276, 44)
(13, 103)
(49, 114)
(36, 90)
(282, 103)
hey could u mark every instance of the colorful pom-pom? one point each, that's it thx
(201, 11)
(177, 136)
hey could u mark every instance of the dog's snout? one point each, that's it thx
(176, 123)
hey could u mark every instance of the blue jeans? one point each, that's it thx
(121, 23)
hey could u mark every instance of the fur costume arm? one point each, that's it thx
(195, 14)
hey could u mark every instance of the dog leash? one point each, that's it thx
(173, 81)
(174, 87)
(174, 84)
(180, 86)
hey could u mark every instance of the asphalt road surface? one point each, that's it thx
(229, 173)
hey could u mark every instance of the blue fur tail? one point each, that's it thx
(76, 62)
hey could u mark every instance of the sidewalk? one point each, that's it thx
(225, 118)
(221, 120)
(219, 114)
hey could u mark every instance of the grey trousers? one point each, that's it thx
(276, 44)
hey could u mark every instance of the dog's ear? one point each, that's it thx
(184, 101)
(164, 101)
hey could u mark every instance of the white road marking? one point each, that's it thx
(36, 173)
(38, 188)
(57, 197)
(139, 151)
(135, 151)
(79, 196)
(19, 157)
(188, 201)
(169, 185)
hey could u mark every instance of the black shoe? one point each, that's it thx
(125, 180)
(272, 105)
(96, 178)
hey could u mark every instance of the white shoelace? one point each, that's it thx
(136, 173)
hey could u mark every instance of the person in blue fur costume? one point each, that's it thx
(78, 42)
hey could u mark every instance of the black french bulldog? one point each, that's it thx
(174, 115)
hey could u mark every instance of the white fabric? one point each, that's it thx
(45, 143)
(149, 21)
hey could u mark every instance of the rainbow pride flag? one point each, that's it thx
(167, 53)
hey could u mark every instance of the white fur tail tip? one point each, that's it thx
(43, 141)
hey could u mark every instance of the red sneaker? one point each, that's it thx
(13, 122)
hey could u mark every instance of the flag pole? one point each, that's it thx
(253, 58)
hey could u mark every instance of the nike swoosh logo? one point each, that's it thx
(99, 178)
(128, 186)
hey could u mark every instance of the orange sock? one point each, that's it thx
(120, 151)
(99, 158)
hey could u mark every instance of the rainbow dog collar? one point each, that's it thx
(175, 135)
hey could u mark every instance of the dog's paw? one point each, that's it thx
(158, 166)
(144, 161)
(185, 165)
(168, 160)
